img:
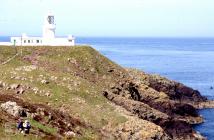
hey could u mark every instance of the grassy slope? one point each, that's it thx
(77, 76)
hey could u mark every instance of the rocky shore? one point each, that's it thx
(78, 93)
(166, 103)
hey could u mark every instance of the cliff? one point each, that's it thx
(75, 92)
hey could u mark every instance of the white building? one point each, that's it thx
(48, 38)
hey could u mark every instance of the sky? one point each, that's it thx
(116, 18)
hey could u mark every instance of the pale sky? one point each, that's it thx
(131, 18)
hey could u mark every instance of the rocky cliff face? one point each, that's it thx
(78, 93)
(160, 101)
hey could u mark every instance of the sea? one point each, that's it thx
(187, 60)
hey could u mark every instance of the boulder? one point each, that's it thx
(48, 94)
(45, 82)
(20, 90)
(70, 134)
(13, 109)
(139, 130)
(14, 86)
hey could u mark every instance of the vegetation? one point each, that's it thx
(76, 77)
(75, 92)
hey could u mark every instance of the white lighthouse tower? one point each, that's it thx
(49, 26)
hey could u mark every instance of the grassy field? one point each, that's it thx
(75, 78)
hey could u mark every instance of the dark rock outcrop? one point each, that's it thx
(174, 90)
(173, 127)
(166, 103)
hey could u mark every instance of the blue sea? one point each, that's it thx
(187, 60)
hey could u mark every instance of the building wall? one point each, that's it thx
(39, 41)
(26, 41)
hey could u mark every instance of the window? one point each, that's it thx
(24, 41)
(28, 41)
(51, 19)
(37, 41)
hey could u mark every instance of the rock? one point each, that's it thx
(139, 130)
(50, 117)
(75, 84)
(1, 84)
(53, 78)
(36, 117)
(14, 86)
(28, 87)
(23, 79)
(45, 82)
(202, 105)
(47, 94)
(40, 111)
(111, 70)
(7, 88)
(70, 134)
(154, 106)
(141, 109)
(174, 90)
(26, 68)
(17, 78)
(35, 89)
(12, 77)
(20, 90)
(104, 77)
(92, 69)
(13, 109)
(73, 61)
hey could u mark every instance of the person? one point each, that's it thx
(20, 125)
(26, 126)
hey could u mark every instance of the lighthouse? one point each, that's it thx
(48, 37)
(49, 26)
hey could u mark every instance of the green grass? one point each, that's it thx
(44, 128)
(53, 61)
